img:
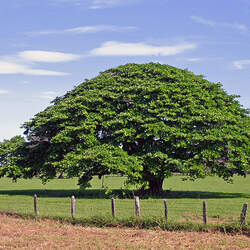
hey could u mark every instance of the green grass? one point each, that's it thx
(142, 223)
(224, 200)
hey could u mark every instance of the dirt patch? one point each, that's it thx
(48, 234)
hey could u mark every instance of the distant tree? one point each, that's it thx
(144, 121)
(10, 151)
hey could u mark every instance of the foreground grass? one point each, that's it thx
(155, 223)
(224, 200)
(16, 232)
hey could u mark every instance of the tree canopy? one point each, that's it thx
(145, 121)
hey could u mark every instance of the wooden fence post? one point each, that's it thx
(73, 201)
(137, 206)
(166, 209)
(243, 213)
(205, 212)
(35, 205)
(113, 207)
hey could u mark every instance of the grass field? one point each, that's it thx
(224, 200)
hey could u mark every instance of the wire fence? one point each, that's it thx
(188, 210)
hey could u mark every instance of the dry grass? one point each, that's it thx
(16, 232)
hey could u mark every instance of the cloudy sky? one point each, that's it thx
(48, 47)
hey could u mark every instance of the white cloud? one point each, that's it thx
(3, 92)
(98, 28)
(95, 4)
(48, 95)
(47, 56)
(203, 20)
(99, 4)
(23, 62)
(15, 68)
(113, 48)
(237, 26)
(241, 64)
(84, 30)
(193, 59)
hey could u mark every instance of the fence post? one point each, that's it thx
(205, 212)
(137, 206)
(166, 209)
(113, 207)
(35, 205)
(73, 201)
(243, 213)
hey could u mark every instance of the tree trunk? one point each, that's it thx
(155, 185)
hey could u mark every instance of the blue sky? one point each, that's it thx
(50, 46)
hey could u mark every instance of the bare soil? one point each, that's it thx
(16, 232)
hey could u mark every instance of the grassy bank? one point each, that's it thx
(141, 223)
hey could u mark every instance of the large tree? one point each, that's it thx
(144, 121)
